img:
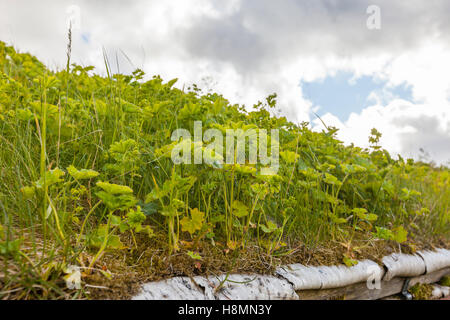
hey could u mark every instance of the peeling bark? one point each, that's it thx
(365, 280)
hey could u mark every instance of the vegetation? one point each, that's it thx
(421, 291)
(85, 169)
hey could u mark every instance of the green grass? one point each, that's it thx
(85, 161)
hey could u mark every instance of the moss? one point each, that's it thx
(445, 281)
(421, 291)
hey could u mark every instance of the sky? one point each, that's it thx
(319, 56)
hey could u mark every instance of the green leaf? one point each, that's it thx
(157, 193)
(194, 223)
(82, 174)
(289, 156)
(10, 247)
(383, 233)
(51, 177)
(302, 166)
(330, 179)
(171, 82)
(338, 220)
(260, 190)
(239, 209)
(124, 227)
(400, 234)
(24, 114)
(98, 236)
(114, 243)
(114, 189)
(135, 218)
(115, 220)
(169, 212)
(194, 255)
(349, 262)
(148, 208)
(361, 213)
(147, 229)
(271, 227)
(28, 192)
(115, 202)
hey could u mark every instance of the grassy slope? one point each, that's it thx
(353, 201)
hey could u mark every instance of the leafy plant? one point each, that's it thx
(113, 135)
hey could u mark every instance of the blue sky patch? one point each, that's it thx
(86, 37)
(340, 95)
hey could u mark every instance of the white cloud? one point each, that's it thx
(406, 126)
(253, 48)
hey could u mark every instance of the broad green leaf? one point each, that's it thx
(330, 179)
(360, 212)
(97, 238)
(28, 192)
(289, 156)
(383, 233)
(24, 114)
(115, 220)
(239, 209)
(81, 174)
(400, 234)
(114, 189)
(115, 202)
(271, 227)
(51, 177)
(338, 220)
(194, 223)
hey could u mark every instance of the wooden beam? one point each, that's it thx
(359, 291)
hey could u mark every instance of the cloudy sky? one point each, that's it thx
(319, 56)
